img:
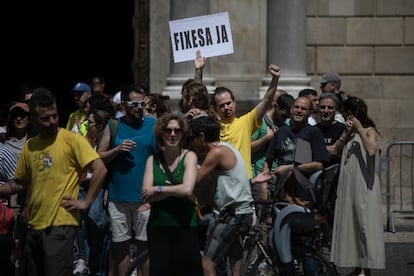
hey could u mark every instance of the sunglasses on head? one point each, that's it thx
(134, 104)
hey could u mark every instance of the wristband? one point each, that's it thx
(159, 189)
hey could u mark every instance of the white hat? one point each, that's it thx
(117, 97)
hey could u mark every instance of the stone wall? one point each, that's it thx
(370, 43)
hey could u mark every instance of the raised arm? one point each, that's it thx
(264, 104)
(199, 64)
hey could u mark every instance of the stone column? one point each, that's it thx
(180, 72)
(286, 44)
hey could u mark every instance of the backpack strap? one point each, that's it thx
(113, 126)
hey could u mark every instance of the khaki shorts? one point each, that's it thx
(125, 217)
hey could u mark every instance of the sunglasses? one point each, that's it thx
(134, 104)
(21, 115)
(170, 130)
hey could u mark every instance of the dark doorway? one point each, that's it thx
(56, 44)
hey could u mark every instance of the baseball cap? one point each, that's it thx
(23, 106)
(330, 76)
(81, 87)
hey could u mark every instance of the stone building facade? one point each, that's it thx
(370, 43)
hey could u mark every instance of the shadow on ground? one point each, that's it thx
(399, 259)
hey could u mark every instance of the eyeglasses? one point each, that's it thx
(134, 104)
(170, 130)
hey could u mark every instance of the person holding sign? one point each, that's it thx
(237, 131)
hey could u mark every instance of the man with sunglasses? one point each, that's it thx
(132, 144)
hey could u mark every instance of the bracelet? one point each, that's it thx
(159, 189)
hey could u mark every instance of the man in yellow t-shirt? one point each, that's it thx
(50, 167)
(238, 130)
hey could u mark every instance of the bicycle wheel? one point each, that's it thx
(308, 261)
(254, 262)
(137, 262)
(249, 256)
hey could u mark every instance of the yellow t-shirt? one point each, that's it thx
(238, 133)
(54, 167)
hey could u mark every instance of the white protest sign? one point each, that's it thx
(209, 33)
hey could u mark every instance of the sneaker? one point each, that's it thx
(80, 268)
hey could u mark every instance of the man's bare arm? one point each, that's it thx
(264, 104)
(11, 187)
(310, 167)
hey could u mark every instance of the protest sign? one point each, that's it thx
(209, 33)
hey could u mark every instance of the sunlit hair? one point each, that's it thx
(209, 125)
(357, 107)
(307, 92)
(329, 95)
(199, 94)
(221, 90)
(100, 102)
(136, 87)
(161, 102)
(185, 93)
(42, 97)
(285, 102)
(162, 123)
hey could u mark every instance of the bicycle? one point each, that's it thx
(255, 251)
(137, 262)
(288, 252)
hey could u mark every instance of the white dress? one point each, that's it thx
(358, 231)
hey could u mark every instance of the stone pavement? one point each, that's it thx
(399, 249)
(399, 252)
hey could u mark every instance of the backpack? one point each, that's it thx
(6, 217)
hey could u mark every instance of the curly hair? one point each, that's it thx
(162, 123)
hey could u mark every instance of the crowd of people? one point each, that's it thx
(129, 173)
